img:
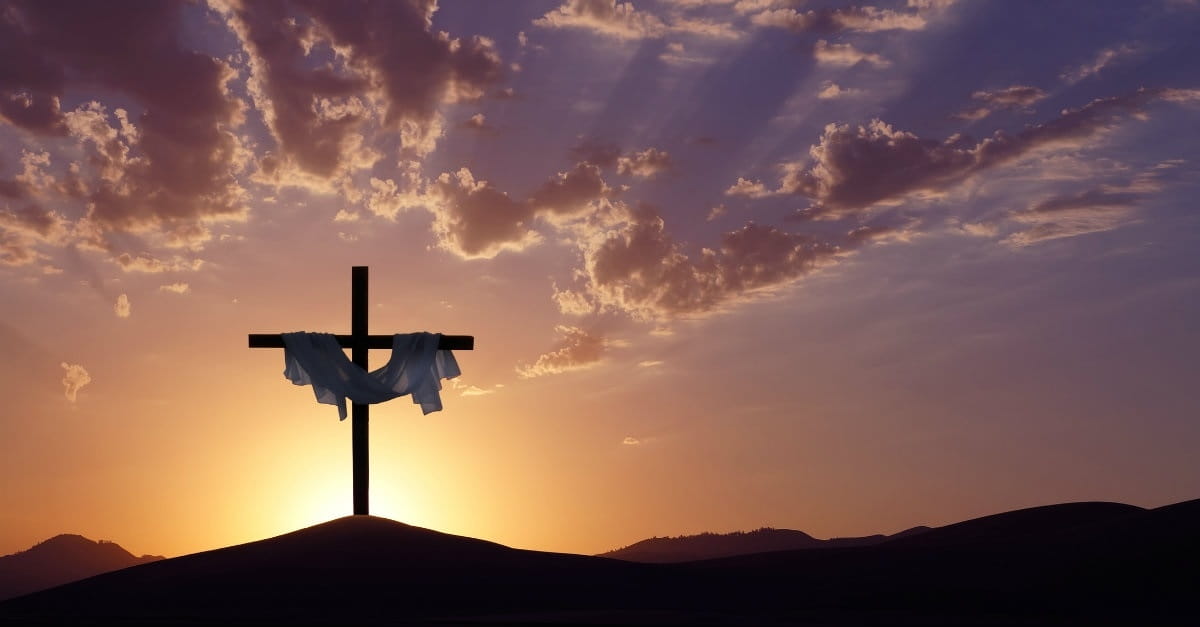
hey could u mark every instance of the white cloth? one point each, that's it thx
(416, 367)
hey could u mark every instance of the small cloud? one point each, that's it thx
(631, 441)
(845, 55)
(1012, 98)
(476, 122)
(979, 229)
(605, 17)
(74, 378)
(644, 164)
(831, 91)
(715, 213)
(578, 349)
(122, 308)
(346, 216)
(751, 189)
(177, 288)
(650, 363)
(472, 390)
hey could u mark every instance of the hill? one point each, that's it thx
(713, 545)
(1084, 563)
(62, 559)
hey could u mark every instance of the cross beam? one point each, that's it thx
(359, 341)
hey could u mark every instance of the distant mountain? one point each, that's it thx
(713, 545)
(60, 560)
(1071, 564)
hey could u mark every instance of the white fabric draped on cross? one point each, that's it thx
(416, 367)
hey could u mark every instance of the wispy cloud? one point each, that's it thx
(1104, 58)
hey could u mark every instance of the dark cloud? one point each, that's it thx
(315, 102)
(856, 167)
(571, 191)
(474, 219)
(172, 164)
(641, 270)
(597, 152)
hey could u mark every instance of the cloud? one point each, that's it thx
(571, 302)
(751, 189)
(607, 17)
(832, 91)
(578, 349)
(391, 196)
(845, 55)
(570, 192)
(715, 213)
(630, 441)
(168, 168)
(638, 269)
(147, 263)
(472, 390)
(826, 21)
(1015, 98)
(621, 20)
(74, 379)
(596, 152)
(853, 168)
(1093, 210)
(319, 71)
(476, 122)
(122, 307)
(650, 363)
(645, 164)
(350, 216)
(475, 220)
(175, 288)
(705, 28)
(1104, 58)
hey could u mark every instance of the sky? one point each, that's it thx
(843, 268)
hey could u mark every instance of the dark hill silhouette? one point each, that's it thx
(713, 545)
(1090, 563)
(62, 559)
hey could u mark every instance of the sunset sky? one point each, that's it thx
(729, 264)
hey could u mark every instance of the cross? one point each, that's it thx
(359, 341)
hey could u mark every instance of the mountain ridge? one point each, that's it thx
(710, 545)
(61, 559)
(1064, 564)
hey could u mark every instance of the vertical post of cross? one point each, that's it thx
(359, 412)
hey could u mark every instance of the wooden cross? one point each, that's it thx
(359, 341)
